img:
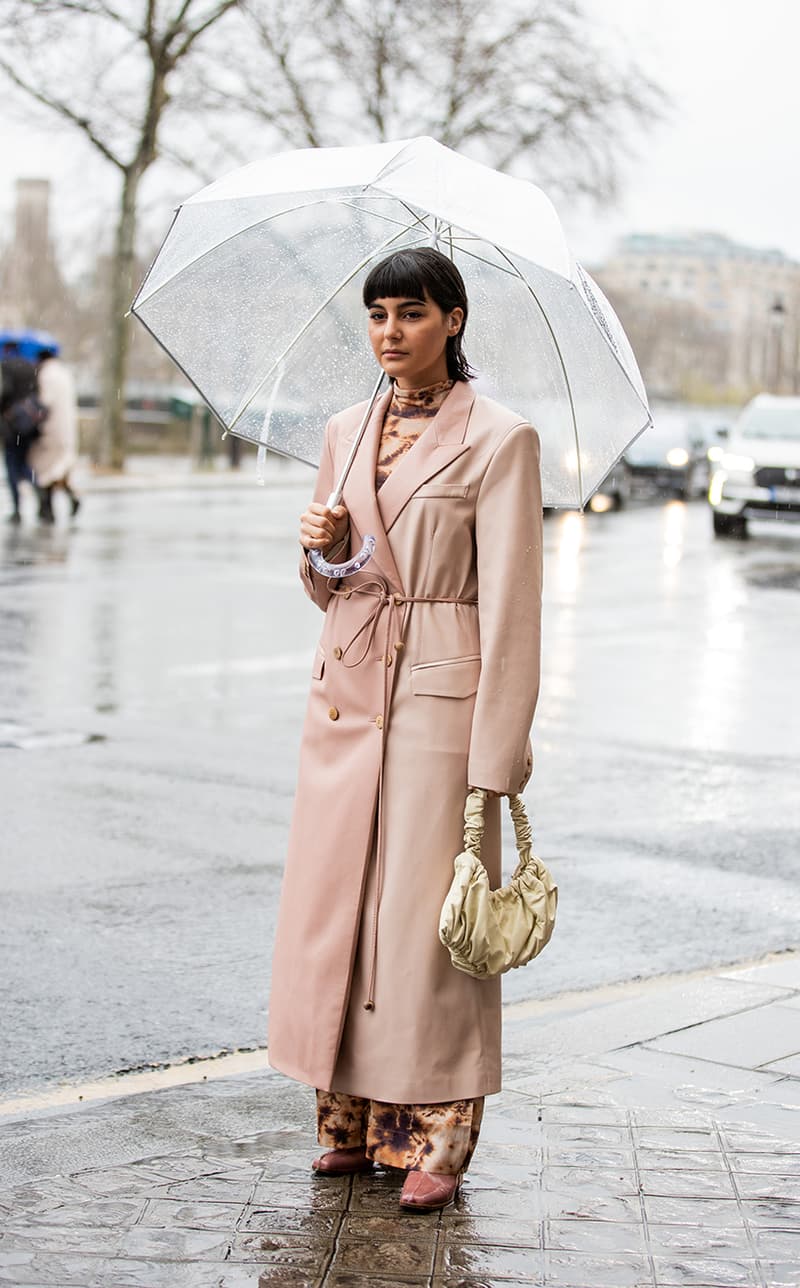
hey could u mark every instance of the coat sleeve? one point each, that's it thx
(319, 588)
(508, 537)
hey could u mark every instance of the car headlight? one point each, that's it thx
(737, 464)
(677, 456)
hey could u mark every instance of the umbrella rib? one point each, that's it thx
(321, 308)
(546, 319)
(257, 223)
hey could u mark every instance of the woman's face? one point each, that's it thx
(409, 337)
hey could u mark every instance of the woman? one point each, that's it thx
(53, 455)
(424, 684)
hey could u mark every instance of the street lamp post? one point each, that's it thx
(777, 319)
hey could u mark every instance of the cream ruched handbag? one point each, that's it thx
(488, 932)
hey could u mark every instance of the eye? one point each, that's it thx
(412, 313)
(376, 315)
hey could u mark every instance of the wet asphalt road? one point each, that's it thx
(140, 870)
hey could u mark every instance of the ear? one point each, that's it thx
(455, 321)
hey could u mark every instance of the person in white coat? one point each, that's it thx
(53, 454)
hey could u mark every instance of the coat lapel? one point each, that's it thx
(359, 490)
(440, 445)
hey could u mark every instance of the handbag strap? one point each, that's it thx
(474, 822)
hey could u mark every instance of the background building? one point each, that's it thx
(707, 317)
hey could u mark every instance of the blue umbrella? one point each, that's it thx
(27, 344)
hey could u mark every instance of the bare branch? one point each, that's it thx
(64, 110)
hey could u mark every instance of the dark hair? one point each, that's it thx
(415, 273)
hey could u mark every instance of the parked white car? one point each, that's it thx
(757, 475)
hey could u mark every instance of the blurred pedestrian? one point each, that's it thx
(424, 685)
(21, 417)
(54, 453)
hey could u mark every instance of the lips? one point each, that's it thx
(393, 353)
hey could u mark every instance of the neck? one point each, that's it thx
(421, 380)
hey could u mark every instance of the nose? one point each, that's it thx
(391, 327)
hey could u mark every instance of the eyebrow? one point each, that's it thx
(376, 304)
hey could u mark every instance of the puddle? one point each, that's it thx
(774, 576)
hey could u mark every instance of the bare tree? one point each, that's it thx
(107, 68)
(530, 86)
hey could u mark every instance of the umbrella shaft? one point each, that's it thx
(335, 497)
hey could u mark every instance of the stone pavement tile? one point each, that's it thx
(459, 1262)
(676, 1138)
(700, 1239)
(265, 1220)
(681, 1072)
(781, 1274)
(687, 1184)
(778, 1244)
(173, 1245)
(749, 1039)
(692, 1160)
(783, 1213)
(595, 1206)
(424, 1226)
(761, 1185)
(575, 1270)
(401, 1258)
(44, 1195)
(375, 1279)
(462, 1227)
(126, 1273)
(754, 1140)
(297, 1251)
(569, 1134)
(680, 1116)
(521, 1202)
(86, 1240)
(790, 1066)
(595, 1237)
(785, 974)
(315, 1194)
(601, 1115)
(779, 1164)
(710, 1272)
(116, 1180)
(22, 1268)
(184, 1167)
(219, 1189)
(590, 1181)
(105, 1212)
(590, 1156)
(183, 1213)
(674, 1210)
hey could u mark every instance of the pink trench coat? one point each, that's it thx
(411, 699)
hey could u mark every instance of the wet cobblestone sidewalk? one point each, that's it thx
(576, 1195)
(649, 1136)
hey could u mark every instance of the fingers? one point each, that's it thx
(319, 526)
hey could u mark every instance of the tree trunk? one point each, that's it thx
(113, 432)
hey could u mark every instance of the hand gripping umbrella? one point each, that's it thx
(256, 295)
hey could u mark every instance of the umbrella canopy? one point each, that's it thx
(256, 294)
(28, 344)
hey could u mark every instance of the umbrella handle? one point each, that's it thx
(320, 564)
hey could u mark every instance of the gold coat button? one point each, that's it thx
(379, 721)
(333, 714)
(399, 645)
(337, 652)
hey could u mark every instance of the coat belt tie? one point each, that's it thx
(390, 602)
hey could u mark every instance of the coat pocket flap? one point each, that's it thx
(455, 677)
(443, 490)
(319, 664)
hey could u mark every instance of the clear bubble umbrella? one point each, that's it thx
(256, 295)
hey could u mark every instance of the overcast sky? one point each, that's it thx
(727, 159)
